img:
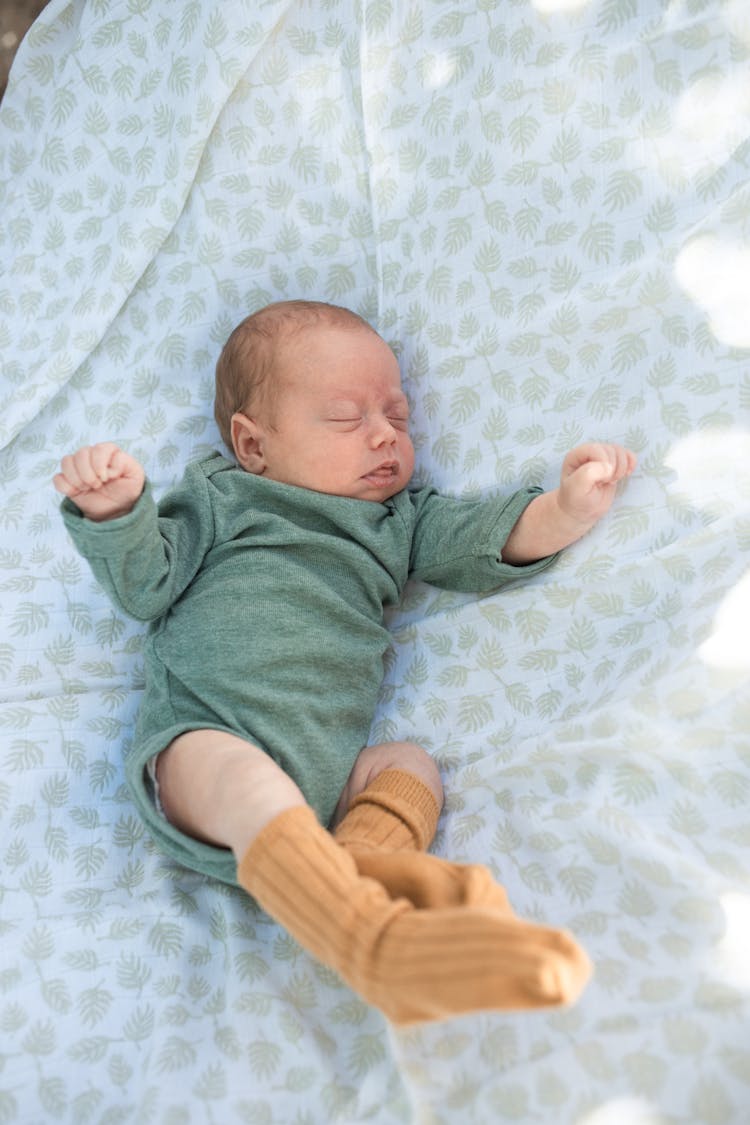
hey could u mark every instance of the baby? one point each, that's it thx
(265, 582)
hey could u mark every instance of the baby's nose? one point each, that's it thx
(383, 431)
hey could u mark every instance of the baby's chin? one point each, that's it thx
(375, 487)
(361, 491)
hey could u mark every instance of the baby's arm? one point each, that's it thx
(554, 520)
(102, 480)
(147, 561)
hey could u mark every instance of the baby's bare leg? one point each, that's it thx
(221, 789)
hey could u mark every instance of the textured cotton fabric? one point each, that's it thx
(266, 608)
(544, 207)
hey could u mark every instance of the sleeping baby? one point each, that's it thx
(264, 580)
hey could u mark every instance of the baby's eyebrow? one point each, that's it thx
(342, 404)
(399, 400)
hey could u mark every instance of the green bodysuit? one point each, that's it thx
(266, 609)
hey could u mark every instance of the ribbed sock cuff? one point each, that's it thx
(396, 810)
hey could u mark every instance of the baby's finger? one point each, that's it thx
(620, 460)
(597, 472)
(103, 460)
(84, 462)
(63, 485)
(624, 462)
(590, 451)
(73, 469)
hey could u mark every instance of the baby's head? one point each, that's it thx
(309, 394)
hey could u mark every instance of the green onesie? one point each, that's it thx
(266, 608)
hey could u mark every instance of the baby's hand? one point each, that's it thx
(589, 479)
(102, 480)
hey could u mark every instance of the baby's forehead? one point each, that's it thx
(300, 340)
(319, 345)
(354, 385)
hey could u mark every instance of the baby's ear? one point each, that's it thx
(247, 442)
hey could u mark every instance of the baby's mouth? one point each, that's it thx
(383, 473)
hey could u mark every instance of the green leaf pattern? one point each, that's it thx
(544, 205)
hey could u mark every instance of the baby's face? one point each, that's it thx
(341, 419)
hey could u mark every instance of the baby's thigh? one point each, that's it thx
(373, 760)
(220, 789)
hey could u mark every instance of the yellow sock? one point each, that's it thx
(414, 965)
(396, 811)
(429, 881)
(388, 825)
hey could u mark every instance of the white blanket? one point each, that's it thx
(544, 205)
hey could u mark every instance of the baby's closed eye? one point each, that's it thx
(345, 424)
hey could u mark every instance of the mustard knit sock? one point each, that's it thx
(396, 811)
(414, 965)
(428, 881)
(386, 828)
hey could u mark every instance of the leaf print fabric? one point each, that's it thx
(543, 206)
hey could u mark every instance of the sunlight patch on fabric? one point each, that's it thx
(737, 17)
(439, 70)
(731, 953)
(624, 1111)
(712, 468)
(715, 273)
(728, 647)
(555, 7)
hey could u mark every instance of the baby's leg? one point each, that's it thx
(412, 964)
(221, 789)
